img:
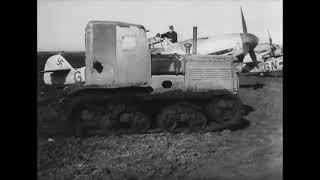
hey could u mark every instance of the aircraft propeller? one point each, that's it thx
(273, 48)
(249, 42)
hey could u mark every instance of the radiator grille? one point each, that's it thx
(210, 73)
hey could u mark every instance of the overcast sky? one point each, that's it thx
(61, 23)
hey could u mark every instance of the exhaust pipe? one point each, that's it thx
(187, 46)
(194, 42)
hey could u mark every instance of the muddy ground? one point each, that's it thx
(251, 153)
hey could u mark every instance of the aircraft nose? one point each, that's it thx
(252, 40)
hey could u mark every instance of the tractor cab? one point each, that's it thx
(117, 55)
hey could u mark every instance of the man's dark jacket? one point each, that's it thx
(170, 35)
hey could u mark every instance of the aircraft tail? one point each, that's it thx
(56, 68)
(56, 63)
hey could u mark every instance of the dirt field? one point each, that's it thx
(251, 153)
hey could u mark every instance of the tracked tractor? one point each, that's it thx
(129, 90)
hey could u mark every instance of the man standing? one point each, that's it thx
(171, 34)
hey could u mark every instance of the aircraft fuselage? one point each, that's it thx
(232, 44)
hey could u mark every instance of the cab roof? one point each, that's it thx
(114, 23)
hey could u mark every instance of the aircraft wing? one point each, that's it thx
(55, 70)
(223, 52)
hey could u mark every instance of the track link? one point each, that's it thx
(105, 113)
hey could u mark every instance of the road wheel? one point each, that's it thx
(138, 121)
(225, 110)
(86, 120)
(181, 115)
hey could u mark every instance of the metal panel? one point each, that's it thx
(201, 76)
(101, 49)
(157, 80)
(133, 67)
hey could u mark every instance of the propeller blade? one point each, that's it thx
(244, 25)
(246, 48)
(250, 65)
(253, 56)
(240, 58)
(270, 40)
(273, 48)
